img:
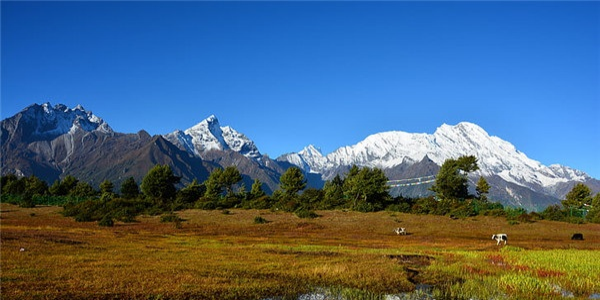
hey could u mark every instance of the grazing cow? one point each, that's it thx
(500, 237)
(577, 237)
(400, 231)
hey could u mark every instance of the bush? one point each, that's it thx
(400, 207)
(553, 213)
(260, 220)
(170, 218)
(27, 201)
(497, 212)
(106, 221)
(306, 214)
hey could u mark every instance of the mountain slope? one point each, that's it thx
(395, 151)
(52, 142)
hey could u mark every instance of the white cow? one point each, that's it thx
(400, 231)
(500, 237)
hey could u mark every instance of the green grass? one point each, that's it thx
(212, 255)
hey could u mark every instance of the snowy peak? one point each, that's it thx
(210, 135)
(495, 156)
(45, 121)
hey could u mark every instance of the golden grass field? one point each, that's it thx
(217, 255)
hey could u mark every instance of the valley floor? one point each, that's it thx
(227, 255)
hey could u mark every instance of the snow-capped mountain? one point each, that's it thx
(387, 150)
(51, 142)
(45, 121)
(209, 135)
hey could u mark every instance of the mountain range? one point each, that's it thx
(54, 141)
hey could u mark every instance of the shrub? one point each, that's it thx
(496, 212)
(106, 221)
(170, 218)
(27, 201)
(306, 214)
(400, 207)
(553, 213)
(260, 220)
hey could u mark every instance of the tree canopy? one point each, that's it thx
(451, 181)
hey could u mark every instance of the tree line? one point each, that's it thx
(362, 189)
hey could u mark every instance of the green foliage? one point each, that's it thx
(367, 189)
(170, 218)
(306, 214)
(264, 202)
(482, 189)
(579, 196)
(124, 210)
(553, 213)
(230, 177)
(401, 204)
(27, 200)
(83, 189)
(451, 181)
(187, 196)
(106, 187)
(292, 181)
(129, 189)
(106, 221)
(220, 185)
(513, 213)
(159, 185)
(64, 187)
(311, 199)
(256, 190)
(333, 193)
(424, 206)
(260, 220)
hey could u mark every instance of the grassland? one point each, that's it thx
(217, 255)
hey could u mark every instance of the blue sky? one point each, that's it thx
(289, 74)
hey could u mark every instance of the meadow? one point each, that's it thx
(346, 255)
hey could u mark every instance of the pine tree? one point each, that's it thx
(159, 184)
(256, 191)
(482, 189)
(292, 181)
(129, 189)
(451, 181)
(579, 196)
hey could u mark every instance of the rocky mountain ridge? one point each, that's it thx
(51, 142)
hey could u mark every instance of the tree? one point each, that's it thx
(83, 189)
(229, 178)
(482, 189)
(129, 189)
(256, 191)
(579, 196)
(13, 185)
(69, 183)
(366, 188)
(334, 193)
(63, 187)
(159, 184)
(9, 178)
(214, 185)
(292, 181)
(36, 186)
(106, 187)
(451, 181)
(191, 193)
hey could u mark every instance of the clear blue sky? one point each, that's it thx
(289, 74)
